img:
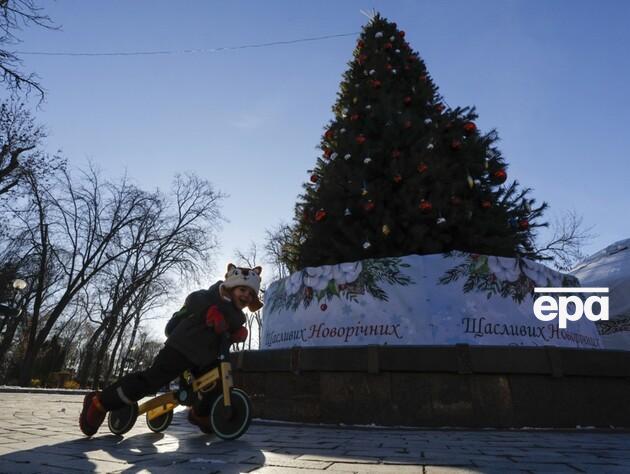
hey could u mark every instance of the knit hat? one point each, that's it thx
(249, 277)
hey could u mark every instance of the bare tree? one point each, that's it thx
(19, 137)
(10, 325)
(277, 245)
(84, 221)
(115, 286)
(248, 258)
(175, 235)
(564, 247)
(107, 246)
(150, 298)
(15, 14)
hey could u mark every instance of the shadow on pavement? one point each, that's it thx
(174, 450)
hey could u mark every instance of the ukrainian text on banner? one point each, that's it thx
(418, 300)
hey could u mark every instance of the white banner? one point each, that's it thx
(418, 300)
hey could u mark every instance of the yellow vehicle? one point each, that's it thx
(230, 407)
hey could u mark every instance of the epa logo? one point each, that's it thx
(570, 308)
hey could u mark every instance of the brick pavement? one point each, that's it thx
(39, 434)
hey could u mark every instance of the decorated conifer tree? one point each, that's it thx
(402, 173)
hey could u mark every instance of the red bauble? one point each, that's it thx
(369, 206)
(362, 58)
(523, 224)
(407, 67)
(423, 77)
(355, 117)
(314, 178)
(376, 84)
(407, 100)
(389, 67)
(422, 167)
(500, 176)
(329, 134)
(456, 145)
(407, 124)
(411, 59)
(439, 108)
(456, 201)
(360, 44)
(397, 178)
(401, 33)
(360, 139)
(486, 204)
(395, 153)
(425, 206)
(323, 307)
(388, 45)
(320, 215)
(470, 128)
(327, 152)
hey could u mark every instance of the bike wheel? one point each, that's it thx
(122, 420)
(161, 422)
(228, 425)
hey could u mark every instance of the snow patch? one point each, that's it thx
(610, 268)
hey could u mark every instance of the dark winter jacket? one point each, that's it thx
(192, 337)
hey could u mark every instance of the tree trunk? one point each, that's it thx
(102, 350)
(86, 363)
(117, 344)
(7, 339)
(132, 340)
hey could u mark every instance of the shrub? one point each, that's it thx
(72, 384)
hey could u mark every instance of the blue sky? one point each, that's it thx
(552, 77)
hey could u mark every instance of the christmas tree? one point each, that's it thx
(402, 173)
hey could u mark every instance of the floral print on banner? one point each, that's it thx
(345, 280)
(504, 276)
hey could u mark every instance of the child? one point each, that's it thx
(192, 344)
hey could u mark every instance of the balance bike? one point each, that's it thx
(230, 411)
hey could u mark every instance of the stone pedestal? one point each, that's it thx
(456, 386)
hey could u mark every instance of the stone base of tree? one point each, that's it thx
(454, 386)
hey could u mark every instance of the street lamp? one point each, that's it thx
(9, 310)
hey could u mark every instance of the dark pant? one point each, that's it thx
(167, 366)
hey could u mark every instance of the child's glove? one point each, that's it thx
(240, 335)
(215, 319)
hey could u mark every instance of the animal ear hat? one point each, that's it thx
(249, 277)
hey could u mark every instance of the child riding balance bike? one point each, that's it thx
(199, 337)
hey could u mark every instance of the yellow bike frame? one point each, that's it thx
(162, 404)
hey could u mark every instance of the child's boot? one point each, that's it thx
(203, 422)
(92, 415)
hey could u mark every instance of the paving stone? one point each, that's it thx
(197, 465)
(379, 468)
(600, 468)
(8, 467)
(504, 466)
(287, 460)
(548, 467)
(462, 470)
(340, 458)
(284, 470)
(85, 465)
(42, 429)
